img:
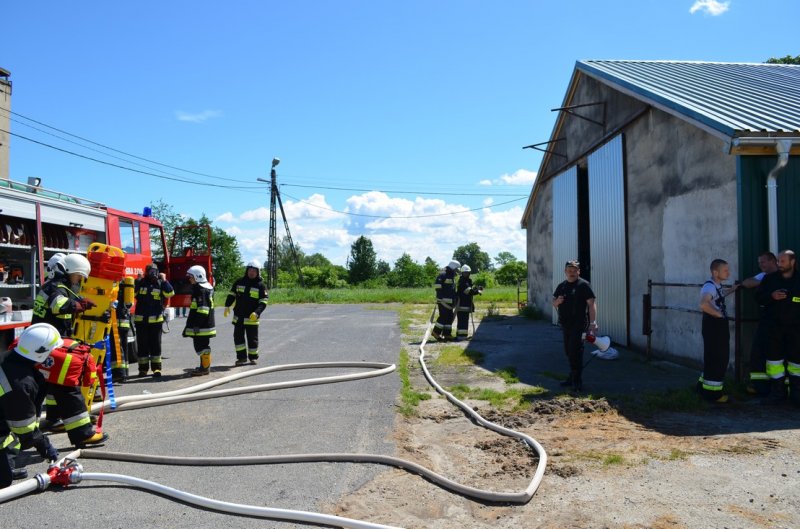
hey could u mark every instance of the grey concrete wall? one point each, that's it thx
(5, 104)
(540, 249)
(682, 214)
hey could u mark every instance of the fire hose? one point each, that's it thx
(68, 471)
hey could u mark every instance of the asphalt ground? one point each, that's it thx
(355, 416)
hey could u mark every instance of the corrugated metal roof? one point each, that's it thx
(737, 99)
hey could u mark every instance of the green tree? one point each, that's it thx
(362, 265)
(512, 272)
(431, 271)
(784, 60)
(471, 254)
(382, 268)
(407, 273)
(503, 258)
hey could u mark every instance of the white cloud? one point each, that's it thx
(197, 117)
(392, 232)
(520, 177)
(710, 7)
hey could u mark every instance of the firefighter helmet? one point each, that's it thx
(466, 269)
(75, 263)
(199, 275)
(55, 264)
(453, 265)
(38, 341)
(253, 264)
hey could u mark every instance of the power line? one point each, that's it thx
(127, 168)
(407, 192)
(401, 216)
(123, 152)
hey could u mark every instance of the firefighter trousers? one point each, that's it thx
(716, 352)
(444, 323)
(245, 349)
(148, 345)
(71, 408)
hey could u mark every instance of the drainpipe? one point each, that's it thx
(782, 147)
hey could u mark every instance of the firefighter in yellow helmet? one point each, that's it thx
(22, 390)
(248, 298)
(200, 322)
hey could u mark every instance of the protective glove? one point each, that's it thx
(253, 316)
(227, 312)
(46, 449)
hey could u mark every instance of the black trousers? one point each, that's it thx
(716, 340)
(148, 345)
(758, 359)
(573, 345)
(245, 349)
(444, 323)
(71, 408)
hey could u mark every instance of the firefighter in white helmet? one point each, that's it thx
(465, 304)
(248, 298)
(445, 288)
(22, 390)
(58, 300)
(200, 322)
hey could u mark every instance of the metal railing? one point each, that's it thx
(737, 319)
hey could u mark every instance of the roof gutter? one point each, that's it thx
(782, 146)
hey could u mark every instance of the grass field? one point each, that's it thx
(499, 295)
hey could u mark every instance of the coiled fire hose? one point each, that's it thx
(67, 471)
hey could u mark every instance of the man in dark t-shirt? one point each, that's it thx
(577, 314)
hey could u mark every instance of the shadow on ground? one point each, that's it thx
(657, 394)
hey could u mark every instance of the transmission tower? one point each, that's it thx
(272, 251)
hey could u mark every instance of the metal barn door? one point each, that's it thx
(607, 239)
(565, 225)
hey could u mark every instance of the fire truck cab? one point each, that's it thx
(36, 223)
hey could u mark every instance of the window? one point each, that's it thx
(126, 237)
(137, 241)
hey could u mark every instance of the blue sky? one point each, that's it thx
(410, 116)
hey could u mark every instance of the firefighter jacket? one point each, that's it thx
(250, 295)
(151, 298)
(465, 293)
(784, 312)
(22, 392)
(57, 305)
(200, 321)
(445, 288)
(70, 365)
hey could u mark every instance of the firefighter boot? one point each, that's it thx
(19, 473)
(794, 390)
(777, 391)
(156, 366)
(205, 366)
(94, 439)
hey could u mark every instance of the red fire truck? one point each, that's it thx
(36, 223)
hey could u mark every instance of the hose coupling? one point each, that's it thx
(66, 473)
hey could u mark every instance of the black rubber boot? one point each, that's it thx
(577, 382)
(777, 392)
(794, 391)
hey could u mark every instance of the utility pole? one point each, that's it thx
(272, 251)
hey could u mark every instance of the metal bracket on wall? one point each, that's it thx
(536, 146)
(569, 110)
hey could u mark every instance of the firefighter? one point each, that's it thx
(121, 350)
(22, 390)
(68, 368)
(58, 300)
(445, 288)
(152, 292)
(465, 305)
(779, 293)
(57, 304)
(200, 322)
(248, 299)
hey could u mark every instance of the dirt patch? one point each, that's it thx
(736, 468)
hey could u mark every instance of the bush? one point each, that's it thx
(531, 312)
